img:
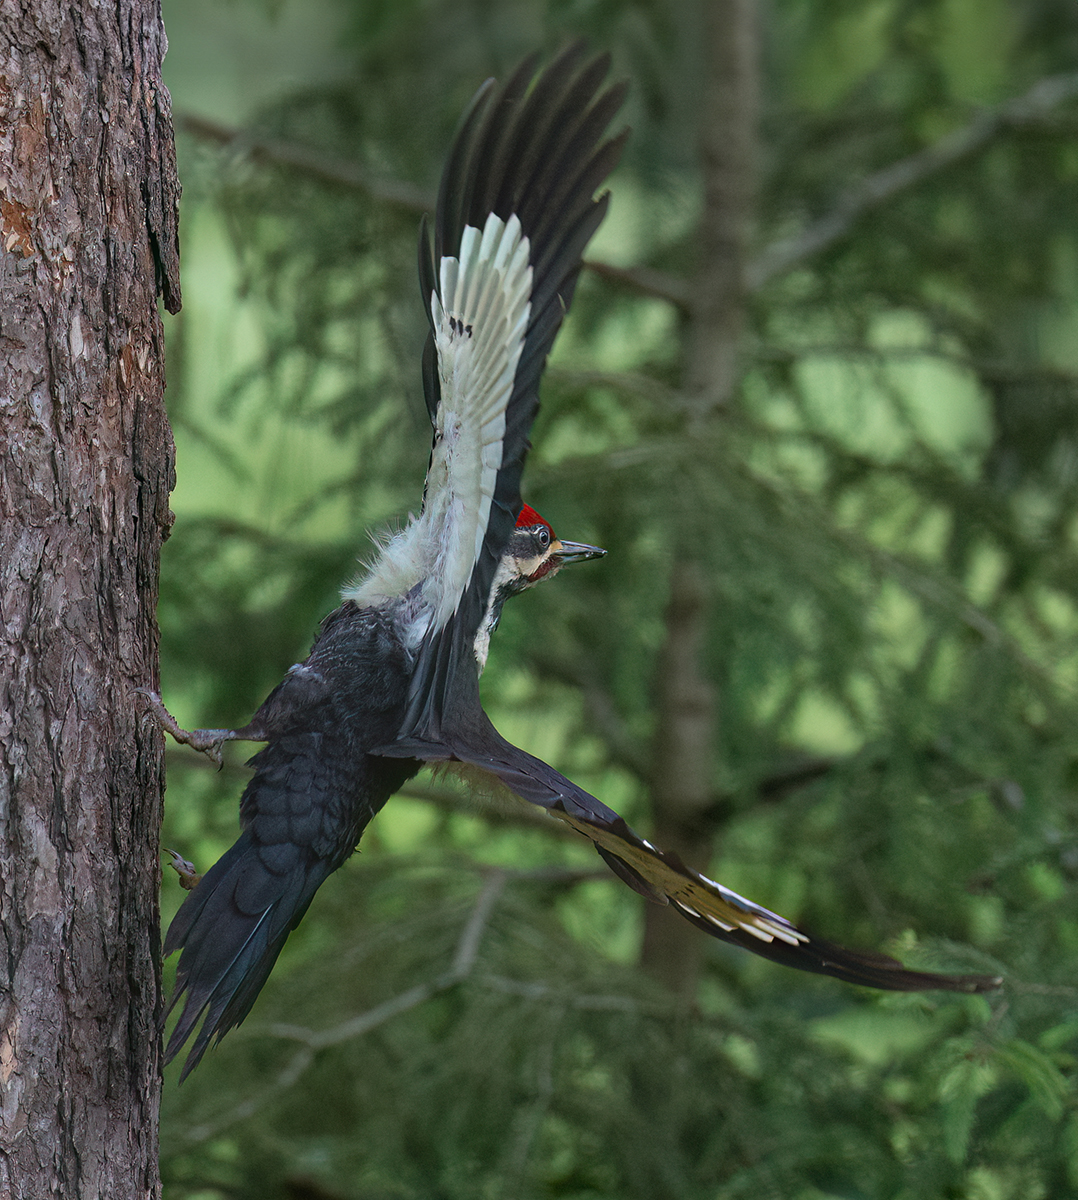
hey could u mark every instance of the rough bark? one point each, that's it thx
(683, 758)
(88, 196)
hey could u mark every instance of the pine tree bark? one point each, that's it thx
(88, 212)
(683, 756)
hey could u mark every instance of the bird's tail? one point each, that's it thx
(231, 929)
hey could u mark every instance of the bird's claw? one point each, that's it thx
(186, 870)
(205, 741)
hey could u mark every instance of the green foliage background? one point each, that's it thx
(887, 515)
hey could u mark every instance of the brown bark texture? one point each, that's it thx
(88, 237)
(728, 139)
(683, 788)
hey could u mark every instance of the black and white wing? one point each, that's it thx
(520, 179)
(516, 208)
(663, 877)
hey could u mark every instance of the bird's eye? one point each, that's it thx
(542, 536)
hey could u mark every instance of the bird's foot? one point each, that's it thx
(205, 741)
(186, 871)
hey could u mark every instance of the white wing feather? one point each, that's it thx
(690, 891)
(480, 321)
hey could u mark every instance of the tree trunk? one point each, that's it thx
(728, 152)
(683, 787)
(683, 753)
(88, 199)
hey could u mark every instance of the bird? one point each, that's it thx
(392, 680)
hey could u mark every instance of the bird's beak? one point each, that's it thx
(573, 552)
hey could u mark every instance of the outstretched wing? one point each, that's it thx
(516, 208)
(663, 877)
(525, 164)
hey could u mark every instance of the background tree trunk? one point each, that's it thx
(88, 201)
(683, 758)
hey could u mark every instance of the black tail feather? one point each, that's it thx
(230, 944)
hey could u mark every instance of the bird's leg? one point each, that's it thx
(186, 870)
(206, 741)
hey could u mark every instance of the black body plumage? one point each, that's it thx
(393, 678)
(316, 786)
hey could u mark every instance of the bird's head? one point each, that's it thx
(533, 553)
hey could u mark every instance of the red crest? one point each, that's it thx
(528, 517)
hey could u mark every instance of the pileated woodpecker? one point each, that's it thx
(392, 681)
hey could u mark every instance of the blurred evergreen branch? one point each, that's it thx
(1021, 112)
(870, 193)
